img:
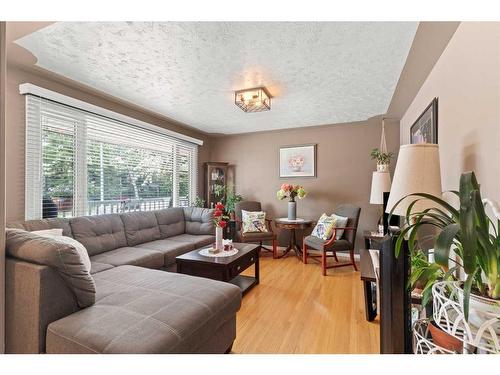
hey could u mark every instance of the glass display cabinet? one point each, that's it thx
(215, 182)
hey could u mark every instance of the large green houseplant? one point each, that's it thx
(468, 231)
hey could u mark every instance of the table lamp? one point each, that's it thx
(417, 171)
(381, 183)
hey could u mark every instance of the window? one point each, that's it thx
(82, 163)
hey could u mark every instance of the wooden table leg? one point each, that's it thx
(370, 310)
(257, 271)
(293, 244)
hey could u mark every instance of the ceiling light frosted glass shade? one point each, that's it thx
(417, 171)
(253, 100)
(381, 183)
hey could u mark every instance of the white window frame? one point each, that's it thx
(33, 181)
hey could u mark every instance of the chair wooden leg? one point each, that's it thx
(275, 249)
(323, 262)
(304, 253)
(335, 256)
(351, 253)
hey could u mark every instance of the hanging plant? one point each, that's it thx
(382, 158)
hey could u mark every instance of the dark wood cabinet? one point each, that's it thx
(215, 182)
(395, 299)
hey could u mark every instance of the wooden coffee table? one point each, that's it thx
(226, 269)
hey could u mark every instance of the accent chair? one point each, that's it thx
(329, 248)
(254, 237)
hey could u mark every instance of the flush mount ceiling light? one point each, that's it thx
(256, 99)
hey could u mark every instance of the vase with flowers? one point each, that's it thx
(291, 191)
(220, 222)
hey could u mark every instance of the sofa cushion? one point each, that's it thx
(146, 311)
(56, 234)
(196, 240)
(140, 227)
(171, 221)
(199, 220)
(169, 248)
(63, 257)
(96, 267)
(130, 256)
(99, 233)
(42, 224)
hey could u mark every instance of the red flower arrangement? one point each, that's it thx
(220, 220)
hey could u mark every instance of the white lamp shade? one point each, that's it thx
(417, 171)
(381, 183)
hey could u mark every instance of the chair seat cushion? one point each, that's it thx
(317, 244)
(131, 256)
(198, 240)
(249, 237)
(140, 310)
(169, 248)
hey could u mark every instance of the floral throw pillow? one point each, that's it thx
(253, 221)
(324, 227)
(326, 224)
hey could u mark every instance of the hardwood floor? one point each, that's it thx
(295, 309)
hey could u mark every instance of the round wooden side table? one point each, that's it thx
(292, 226)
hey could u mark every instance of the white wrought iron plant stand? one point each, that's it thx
(448, 315)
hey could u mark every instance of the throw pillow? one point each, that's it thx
(324, 227)
(253, 221)
(57, 254)
(45, 232)
(340, 222)
(326, 224)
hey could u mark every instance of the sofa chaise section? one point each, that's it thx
(147, 311)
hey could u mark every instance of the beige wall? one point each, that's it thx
(15, 129)
(343, 164)
(466, 79)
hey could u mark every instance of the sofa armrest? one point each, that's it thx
(36, 296)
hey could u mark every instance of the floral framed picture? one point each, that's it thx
(298, 161)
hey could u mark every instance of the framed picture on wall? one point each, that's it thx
(425, 129)
(298, 161)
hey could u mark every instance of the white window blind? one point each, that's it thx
(81, 163)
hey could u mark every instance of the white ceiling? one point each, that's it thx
(318, 72)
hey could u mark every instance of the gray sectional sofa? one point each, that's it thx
(128, 303)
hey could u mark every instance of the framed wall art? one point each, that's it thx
(297, 161)
(425, 129)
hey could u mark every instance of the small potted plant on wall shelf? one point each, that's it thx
(383, 159)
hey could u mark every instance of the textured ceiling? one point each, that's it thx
(318, 73)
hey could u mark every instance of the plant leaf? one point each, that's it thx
(467, 222)
(467, 289)
(443, 244)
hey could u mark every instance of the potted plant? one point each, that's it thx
(231, 199)
(472, 236)
(291, 191)
(383, 159)
(198, 202)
